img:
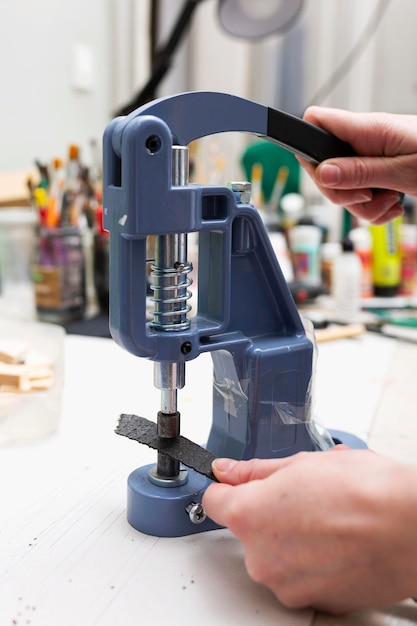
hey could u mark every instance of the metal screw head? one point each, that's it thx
(186, 347)
(242, 190)
(153, 144)
(196, 512)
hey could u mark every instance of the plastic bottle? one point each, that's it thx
(347, 274)
(328, 253)
(408, 247)
(386, 258)
(305, 250)
(362, 243)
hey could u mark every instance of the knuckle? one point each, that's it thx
(362, 172)
(250, 469)
(407, 167)
(244, 470)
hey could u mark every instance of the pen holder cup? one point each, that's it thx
(59, 275)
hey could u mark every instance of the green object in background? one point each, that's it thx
(405, 317)
(347, 223)
(272, 157)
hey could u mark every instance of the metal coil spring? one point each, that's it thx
(171, 295)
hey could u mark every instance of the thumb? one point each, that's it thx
(359, 173)
(237, 472)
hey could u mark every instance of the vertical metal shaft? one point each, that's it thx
(168, 377)
(170, 285)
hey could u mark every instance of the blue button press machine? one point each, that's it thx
(263, 355)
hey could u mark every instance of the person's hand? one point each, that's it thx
(335, 531)
(387, 148)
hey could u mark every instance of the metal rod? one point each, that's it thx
(170, 286)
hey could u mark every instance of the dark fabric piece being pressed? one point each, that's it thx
(180, 449)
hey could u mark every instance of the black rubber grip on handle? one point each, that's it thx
(309, 141)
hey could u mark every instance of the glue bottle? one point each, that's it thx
(346, 285)
(386, 257)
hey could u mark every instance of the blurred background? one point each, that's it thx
(67, 68)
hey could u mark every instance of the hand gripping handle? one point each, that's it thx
(193, 115)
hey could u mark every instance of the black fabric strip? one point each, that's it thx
(180, 449)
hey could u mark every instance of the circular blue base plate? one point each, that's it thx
(161, 511)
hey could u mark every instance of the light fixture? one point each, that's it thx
(252, 19)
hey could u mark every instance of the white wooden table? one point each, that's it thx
(68, 555)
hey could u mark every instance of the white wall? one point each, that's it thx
(41, 109)
(128, 45)
(384, 77)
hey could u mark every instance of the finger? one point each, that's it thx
(392, 213)
(216, 501)
(350, 197)
(360, 172)
(365, 132)
(333, 120)
(335, 194)
(238, 472)
(377, 208)
(381, 209)
(237, 507)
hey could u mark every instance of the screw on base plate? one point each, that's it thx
(196, 512)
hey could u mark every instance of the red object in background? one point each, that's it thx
(99, 221)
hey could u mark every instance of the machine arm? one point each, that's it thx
(194, 115)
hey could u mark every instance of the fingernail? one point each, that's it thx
(330, 174)
(223, 465)
(361, 196)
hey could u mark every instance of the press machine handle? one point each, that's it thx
(193, 115)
